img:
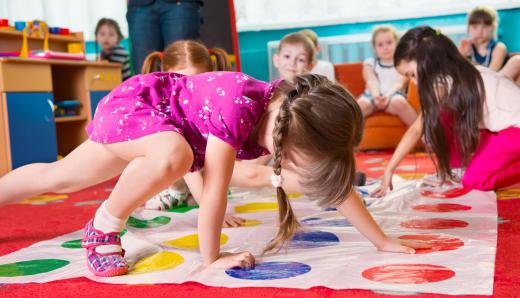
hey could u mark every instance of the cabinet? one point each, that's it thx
(29, 88)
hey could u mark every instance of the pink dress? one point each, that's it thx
(226, 104)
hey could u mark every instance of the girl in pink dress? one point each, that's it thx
(153, 129)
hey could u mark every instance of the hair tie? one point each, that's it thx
(438, 32)
(277, 180)
(211, 52)
(161, 55)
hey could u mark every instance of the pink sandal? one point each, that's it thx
(103, 264)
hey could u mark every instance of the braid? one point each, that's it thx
(288, 221)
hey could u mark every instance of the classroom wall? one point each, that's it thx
(253, 44)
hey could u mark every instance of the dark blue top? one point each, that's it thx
(483, 60)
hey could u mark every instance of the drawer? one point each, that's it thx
(19, 76)
(101, 78)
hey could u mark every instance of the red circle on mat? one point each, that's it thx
(449, 194)
(434, 224)
(441, 207)
(408, 273)
(439, 242)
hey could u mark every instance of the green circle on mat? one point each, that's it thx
(72, 244)
(77, 243)
(182, 208)
(31, 267)
(148, 223)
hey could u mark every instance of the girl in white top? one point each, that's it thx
(384, 86)
(470, 116)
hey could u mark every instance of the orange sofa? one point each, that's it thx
(382, 130)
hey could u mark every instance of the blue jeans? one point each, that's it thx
(154, 26)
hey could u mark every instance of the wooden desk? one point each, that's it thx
(29, 88)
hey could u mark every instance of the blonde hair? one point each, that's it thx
(322, 120)
(311, 35)
(483, 15)
(184, 53)
(302, 39)
(381, 29)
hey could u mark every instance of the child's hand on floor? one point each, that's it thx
(226, 260)
(386, 183)
(231, 221)
(403, 246)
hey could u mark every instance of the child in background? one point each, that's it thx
(295, 56)
(154, 128)
(470, 116)
(384, 86)
(480, 47)
(108, 35)
(321, 67)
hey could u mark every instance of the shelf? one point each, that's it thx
(73, 37)
(69, 118)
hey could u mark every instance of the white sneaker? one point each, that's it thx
(167, 199)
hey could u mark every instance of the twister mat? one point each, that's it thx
(162, 247)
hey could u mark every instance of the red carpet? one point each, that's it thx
(24, 224)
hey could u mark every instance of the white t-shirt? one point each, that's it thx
(325, 68)
(502, 103)
(386, 74)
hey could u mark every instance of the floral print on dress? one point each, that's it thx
(227, 105)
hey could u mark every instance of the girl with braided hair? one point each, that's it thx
(470, 115)
(154, 128)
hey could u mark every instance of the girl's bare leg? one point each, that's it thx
(90, 163)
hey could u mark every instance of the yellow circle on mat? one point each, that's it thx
(508, 194)
(411, 176)
(44, 198)
(257, 207)
(157, 262)
(192, 241)
(294, 195)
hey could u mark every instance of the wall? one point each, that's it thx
(253, 44)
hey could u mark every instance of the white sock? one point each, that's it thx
(106, 223)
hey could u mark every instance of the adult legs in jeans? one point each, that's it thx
(154, 26)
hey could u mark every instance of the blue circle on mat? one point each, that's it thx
(313, 239)
(270, 270)
(324, 222)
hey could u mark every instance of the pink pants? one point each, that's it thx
(496, 162)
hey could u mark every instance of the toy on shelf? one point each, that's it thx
(34, 29)
(67, 108)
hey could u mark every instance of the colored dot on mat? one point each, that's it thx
(182, 208)
(44, 199)
(408, 273)
(449, 194)
(31, 267)
(324, 222)
(411, 176)
(434, 224)
(148, 223)
(508, 194)
(294, 195)
(270, 270)
(191, 242)
(157, 262)
(77, 242)
(256, 207)
(313, 239)
(439, 242)
(441, 208)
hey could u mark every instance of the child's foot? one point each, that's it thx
(103, 264)
(166, 199)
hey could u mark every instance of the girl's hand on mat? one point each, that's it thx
(403, 246)
(386, 183)
(244, 260)
(231, 221)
